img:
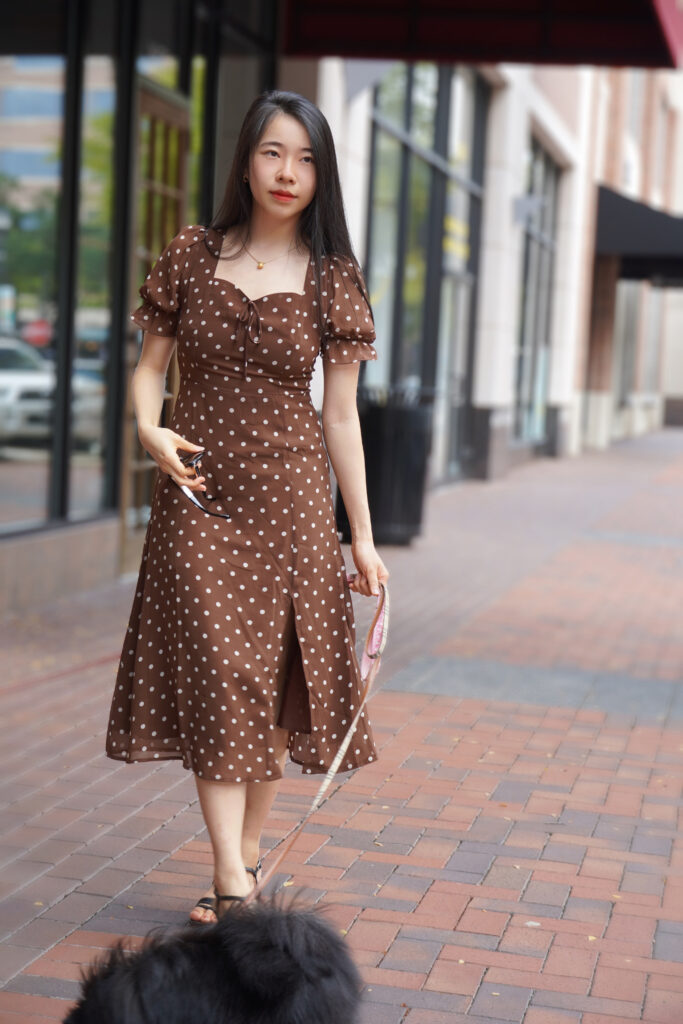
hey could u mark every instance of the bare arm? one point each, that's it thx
(149, 381)
(345, 447)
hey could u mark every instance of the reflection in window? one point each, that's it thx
(415, 272)
(425, 81)
(383, 244)
(29, 163)
(652, 341)
(391, 95)
(93, 298)
(626, 321)
(533, 351)
(456, 230)
(30, 188)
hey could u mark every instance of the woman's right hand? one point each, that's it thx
(162, 445)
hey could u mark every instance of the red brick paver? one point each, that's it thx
(506, 859)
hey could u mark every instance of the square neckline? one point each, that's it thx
(266, 295)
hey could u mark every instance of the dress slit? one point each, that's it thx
(295, 712)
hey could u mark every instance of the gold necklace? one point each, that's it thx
(260, 264)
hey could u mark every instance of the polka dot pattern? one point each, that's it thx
(240, 625)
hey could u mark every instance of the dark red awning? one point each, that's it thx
(632, 33)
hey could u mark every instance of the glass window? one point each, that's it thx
(625, 339)
(653, 341)
(409, 259)
(27, 102)
(383, 251)
(30, 191)
(158, 41)
(425, 92)
(256, 16)
(241, 77)
(533, 349)
(415, 273)
(197, 88)
(391, 95)
(456, 229)
(39, 163)
(93, 342)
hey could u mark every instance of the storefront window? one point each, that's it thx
(425, 211)
(533, 352)
(384, 247)
(30, 191)
(391, 95)
(652, 343)
(425, 92)
(415, 273)
(625, 339)
(93, 342)
(159, 38)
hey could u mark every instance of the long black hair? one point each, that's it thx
(322, 225)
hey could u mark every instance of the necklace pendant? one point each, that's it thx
(259, 265)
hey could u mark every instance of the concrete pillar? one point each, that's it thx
(500, 263)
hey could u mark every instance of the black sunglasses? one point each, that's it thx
(193, 460)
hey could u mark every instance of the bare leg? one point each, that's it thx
(223, 806)
(260, 797)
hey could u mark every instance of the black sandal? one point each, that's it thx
(254, 872)
(205, 903)
(232, 899)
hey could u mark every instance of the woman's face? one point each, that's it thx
(282, 175)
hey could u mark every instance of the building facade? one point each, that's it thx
(478, 197)
(494, 285)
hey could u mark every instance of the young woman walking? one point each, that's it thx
(241, 641)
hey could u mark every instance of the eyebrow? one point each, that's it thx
(274, 142)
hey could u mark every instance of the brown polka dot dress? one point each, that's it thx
(242, 624)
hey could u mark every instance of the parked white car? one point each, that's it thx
(27, 385)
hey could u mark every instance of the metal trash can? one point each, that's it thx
(396, 426)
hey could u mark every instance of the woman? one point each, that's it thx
(241, 639)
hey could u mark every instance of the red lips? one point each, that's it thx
(282, 194)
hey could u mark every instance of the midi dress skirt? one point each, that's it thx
(245, 624)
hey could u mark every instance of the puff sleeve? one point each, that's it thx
(348, 330)
(161, 291)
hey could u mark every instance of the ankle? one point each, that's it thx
(250, 854)
(233, 881)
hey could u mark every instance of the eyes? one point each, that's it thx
(305, 159)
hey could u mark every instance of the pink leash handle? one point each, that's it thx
(375, 642)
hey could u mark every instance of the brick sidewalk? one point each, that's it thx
(515, 854)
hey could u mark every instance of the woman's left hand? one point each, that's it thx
(371, 569)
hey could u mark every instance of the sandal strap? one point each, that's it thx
(254, 871)
(233, 899)
(206, 903)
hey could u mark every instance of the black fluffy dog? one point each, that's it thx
(261, 964)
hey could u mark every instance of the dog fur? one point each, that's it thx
(266, 963)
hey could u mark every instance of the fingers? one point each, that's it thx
(183, 474)
(187, 446)
(195, 483)
(366, 584)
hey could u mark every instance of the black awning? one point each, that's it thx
(649, 242)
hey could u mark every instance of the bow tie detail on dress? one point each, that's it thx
(250, 322)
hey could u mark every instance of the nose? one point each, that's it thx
(286, 172)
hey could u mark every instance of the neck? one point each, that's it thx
(268, 235)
